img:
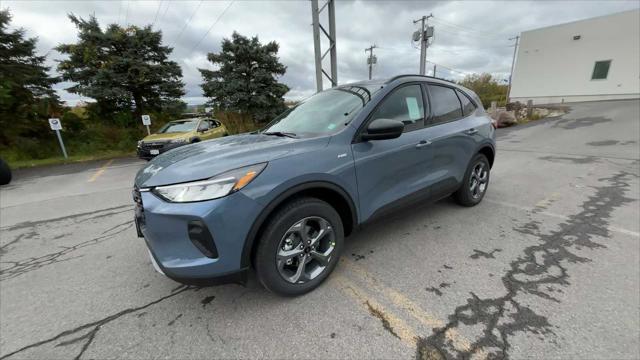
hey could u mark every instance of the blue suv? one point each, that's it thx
(282, 200)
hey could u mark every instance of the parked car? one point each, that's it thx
(5, 173)
(178, 133)
(282, 200)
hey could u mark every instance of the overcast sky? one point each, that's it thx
(470, 36)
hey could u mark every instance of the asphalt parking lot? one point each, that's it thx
(547, 266)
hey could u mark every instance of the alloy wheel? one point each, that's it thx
(479, 180)
(305, 250)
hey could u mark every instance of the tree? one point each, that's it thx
(487, 88)
(121, 67)
(26, 93)
(246, 79)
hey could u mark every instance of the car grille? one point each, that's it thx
(153, 145)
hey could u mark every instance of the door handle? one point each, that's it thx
(423, 143)
(471, 131)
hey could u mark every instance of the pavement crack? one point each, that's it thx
(487, 255)
(21, 267)
(23, 236)
(386, 324)
(96, 215)
(538, 269)
(95, 326)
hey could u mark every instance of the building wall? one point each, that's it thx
(552, 67)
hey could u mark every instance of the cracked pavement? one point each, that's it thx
(547, 266)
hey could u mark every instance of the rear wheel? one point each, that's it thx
(475, 183)
(300, 247)
(5, 173)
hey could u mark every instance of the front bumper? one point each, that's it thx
(164, 227)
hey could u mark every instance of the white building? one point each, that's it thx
(586, 60)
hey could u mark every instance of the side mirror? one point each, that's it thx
(381, 129)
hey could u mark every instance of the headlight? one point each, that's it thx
(216, 187)
(178, 141)
(140, 142)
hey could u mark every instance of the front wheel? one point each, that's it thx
(300, 247)
(475, 182)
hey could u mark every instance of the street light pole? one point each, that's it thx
(513, 61)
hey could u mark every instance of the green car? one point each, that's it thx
(180, 132)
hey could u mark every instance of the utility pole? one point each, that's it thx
(331, 35)
(434, 70)
(513, 61)
(372, 59)
(425, 33)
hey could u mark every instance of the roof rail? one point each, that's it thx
(416, 75)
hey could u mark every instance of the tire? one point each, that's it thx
(195, 140)
(467, 195)
(310, 212)
(5, 173)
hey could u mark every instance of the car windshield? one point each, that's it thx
(324, 113)
(179, 126)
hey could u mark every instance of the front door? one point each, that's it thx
(389, 171)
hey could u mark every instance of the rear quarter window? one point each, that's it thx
(445, 104)
(467, 106)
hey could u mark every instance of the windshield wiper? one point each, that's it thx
(281, 134)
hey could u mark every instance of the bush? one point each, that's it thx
(237, 123)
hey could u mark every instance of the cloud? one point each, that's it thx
(470, 36)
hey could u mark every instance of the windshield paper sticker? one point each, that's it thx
(414, 110)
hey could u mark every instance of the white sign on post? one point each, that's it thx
(55, 124)
(146, 120)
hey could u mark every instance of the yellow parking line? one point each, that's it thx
(403, 302)
(100, 171)
(391, 322)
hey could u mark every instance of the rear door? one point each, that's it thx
(452, 131)
(390, 170)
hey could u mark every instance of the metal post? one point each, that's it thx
(64, 150)
(331, 35)
(434, 70)
(332, 42)
(513, 61)
(316, 43)
(148, 131)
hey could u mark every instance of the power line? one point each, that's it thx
(466, 28)
(126, 18)
(212, 25)
(119, 11)
(157, 12)
(165, 10)
(186, 24)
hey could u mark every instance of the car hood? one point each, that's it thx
(166, 136)
(208, 158)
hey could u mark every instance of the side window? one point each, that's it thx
(204, 125)
(467, 105)
(404, 104)
(601, 70)
(445, 104)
